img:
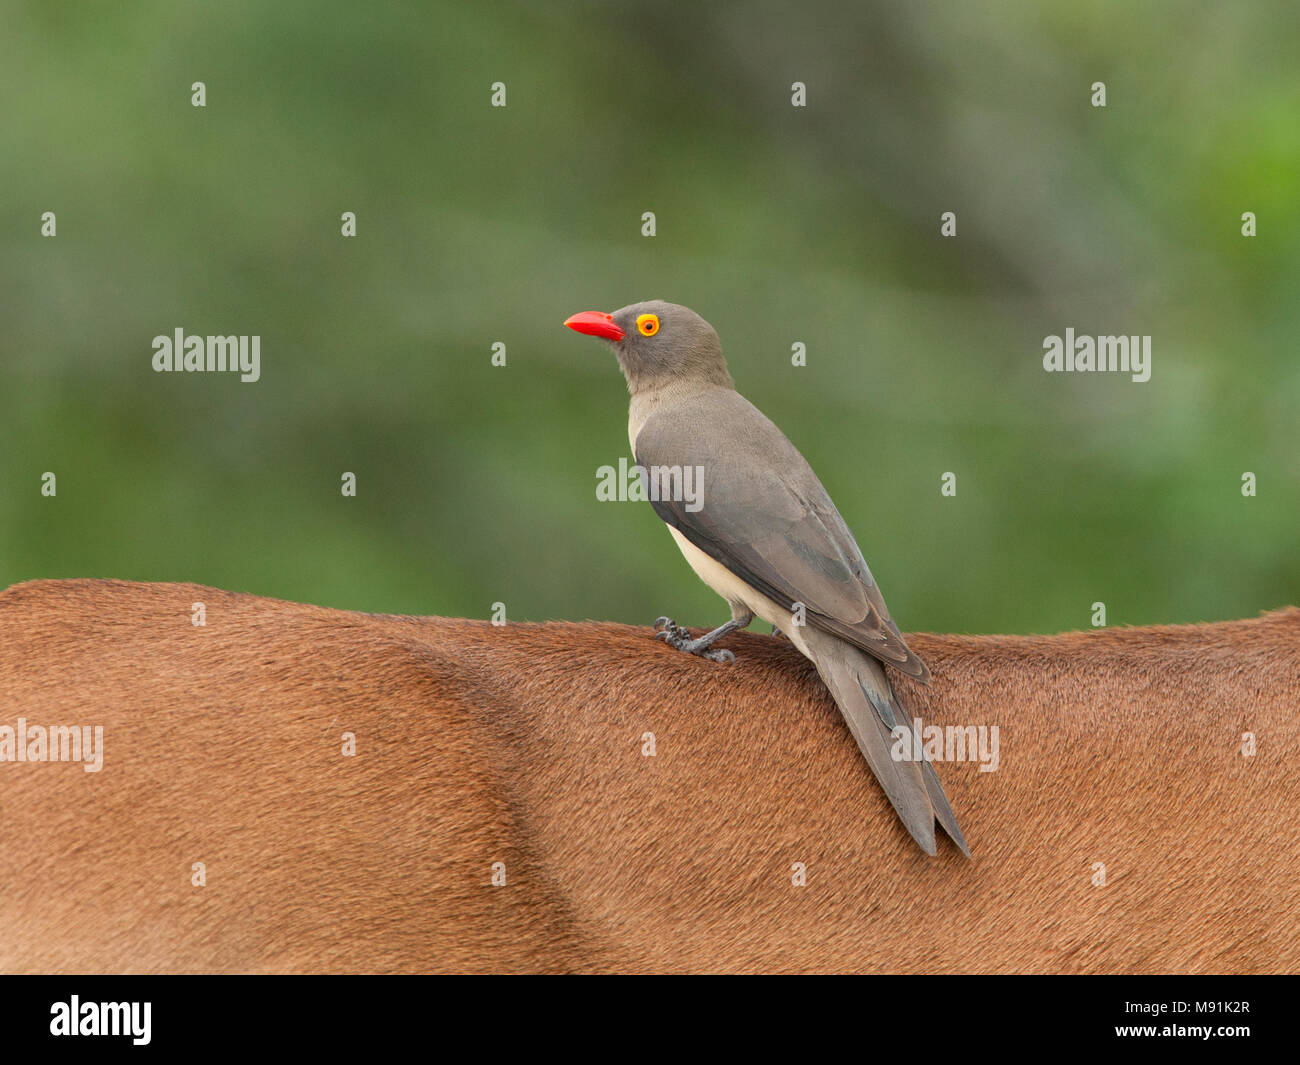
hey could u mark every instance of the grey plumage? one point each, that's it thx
(774, 538)
(767, 518)
(871, 710)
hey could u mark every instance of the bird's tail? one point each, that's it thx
(871, 709)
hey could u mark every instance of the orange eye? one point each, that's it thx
(647, 324)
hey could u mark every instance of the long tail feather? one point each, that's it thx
(862, 691)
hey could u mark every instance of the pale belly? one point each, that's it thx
(734, 590)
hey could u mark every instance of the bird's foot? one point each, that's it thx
(675, 636)
(779, 634)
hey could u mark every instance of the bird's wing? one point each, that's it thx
(763, 514)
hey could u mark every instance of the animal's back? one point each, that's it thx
(223, 746)
(529, 745)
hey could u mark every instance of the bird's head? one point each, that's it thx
(657, 343)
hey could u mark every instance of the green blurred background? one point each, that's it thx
(479, 224)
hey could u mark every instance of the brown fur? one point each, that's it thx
(522, 744)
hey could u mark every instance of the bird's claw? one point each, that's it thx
(670, 632)
(675, 636)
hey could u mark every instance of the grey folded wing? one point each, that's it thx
(762, 513)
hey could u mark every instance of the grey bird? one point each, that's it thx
(761, 531)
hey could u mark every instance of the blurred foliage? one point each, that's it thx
(478, 224)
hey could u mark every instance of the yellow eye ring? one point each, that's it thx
(647, 324)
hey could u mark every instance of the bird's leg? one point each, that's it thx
(675, 636)
(779, 634)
